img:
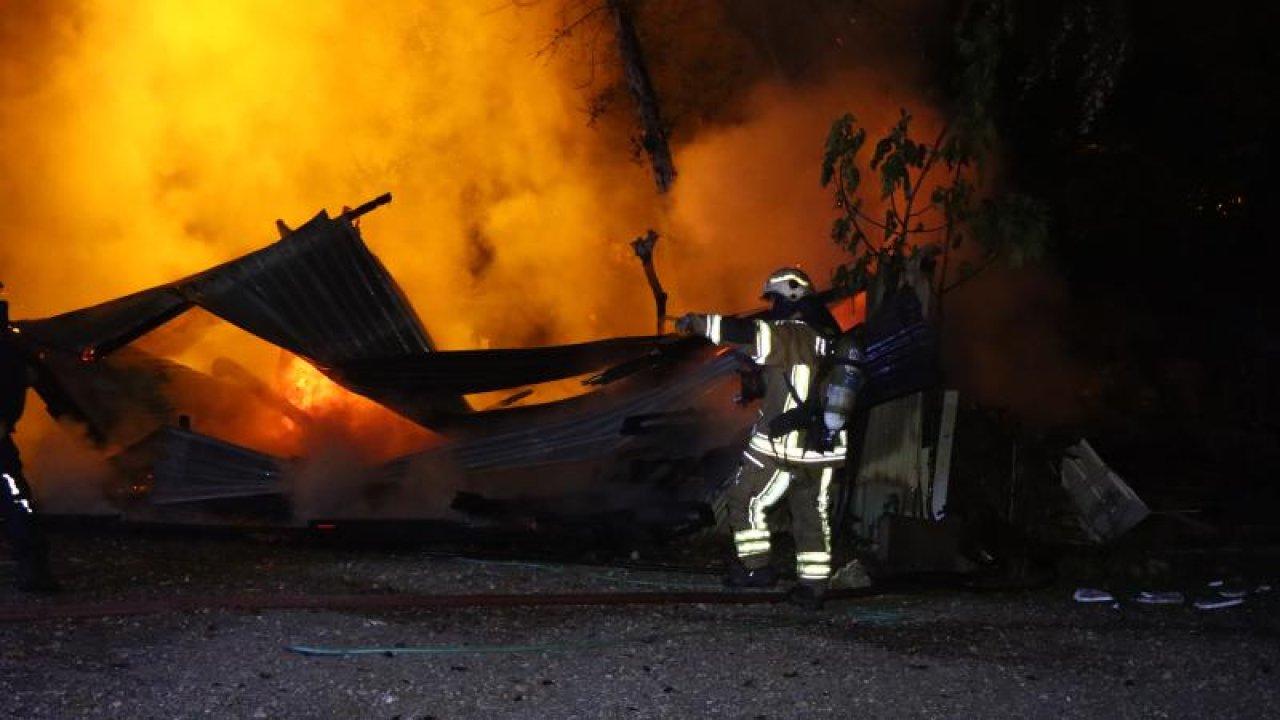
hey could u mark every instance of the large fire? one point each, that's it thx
(143, 141)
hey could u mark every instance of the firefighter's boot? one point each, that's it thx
(809, 596)
(31, 556)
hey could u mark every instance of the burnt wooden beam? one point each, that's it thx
(644, 250)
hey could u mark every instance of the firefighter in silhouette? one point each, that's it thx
(791, 455)
(17, 509)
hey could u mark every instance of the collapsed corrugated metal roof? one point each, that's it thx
(322, 295)
(318, 293)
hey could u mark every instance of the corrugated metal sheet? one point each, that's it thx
(901, 350)
(891, 463)
(585, 427)
(1108, 506)
(894, 438)
(98, 330)
(410, 384)
(318, 293)
(186, 467)
(901, 358)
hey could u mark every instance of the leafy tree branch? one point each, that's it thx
(932, 197)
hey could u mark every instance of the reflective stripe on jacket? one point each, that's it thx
(790, 353)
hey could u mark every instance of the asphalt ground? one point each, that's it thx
(112, 644)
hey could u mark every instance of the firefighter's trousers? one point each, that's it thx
(761, 483)
(18, 512)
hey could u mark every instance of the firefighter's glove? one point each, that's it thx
(692, 324)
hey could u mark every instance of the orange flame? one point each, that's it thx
(309, 390)
(148, 140)
(328, 412)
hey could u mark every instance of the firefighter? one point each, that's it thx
(17, 508)
(785, 458)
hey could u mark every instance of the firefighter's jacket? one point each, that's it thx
(790, 353)
(13, 380)
(13, 395)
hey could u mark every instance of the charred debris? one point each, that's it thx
(639, 460)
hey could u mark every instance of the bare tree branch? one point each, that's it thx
(567, 29)
(653, 131)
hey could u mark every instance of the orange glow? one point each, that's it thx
(165, 137)
(309, 390)
(850, 311)
(143, 141)
(321, 411)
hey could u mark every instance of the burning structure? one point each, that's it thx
(347, 407)
(643, 447)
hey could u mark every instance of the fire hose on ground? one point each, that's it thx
(253, 602)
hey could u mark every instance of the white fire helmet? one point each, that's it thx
(789, 283)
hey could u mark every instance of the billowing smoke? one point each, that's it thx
(143, 141)
(69, 475)
(335, 481)
(1005, 344)
(749, 200)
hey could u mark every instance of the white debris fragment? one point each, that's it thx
(1091, 595)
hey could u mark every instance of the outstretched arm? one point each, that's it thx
(767, 343)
